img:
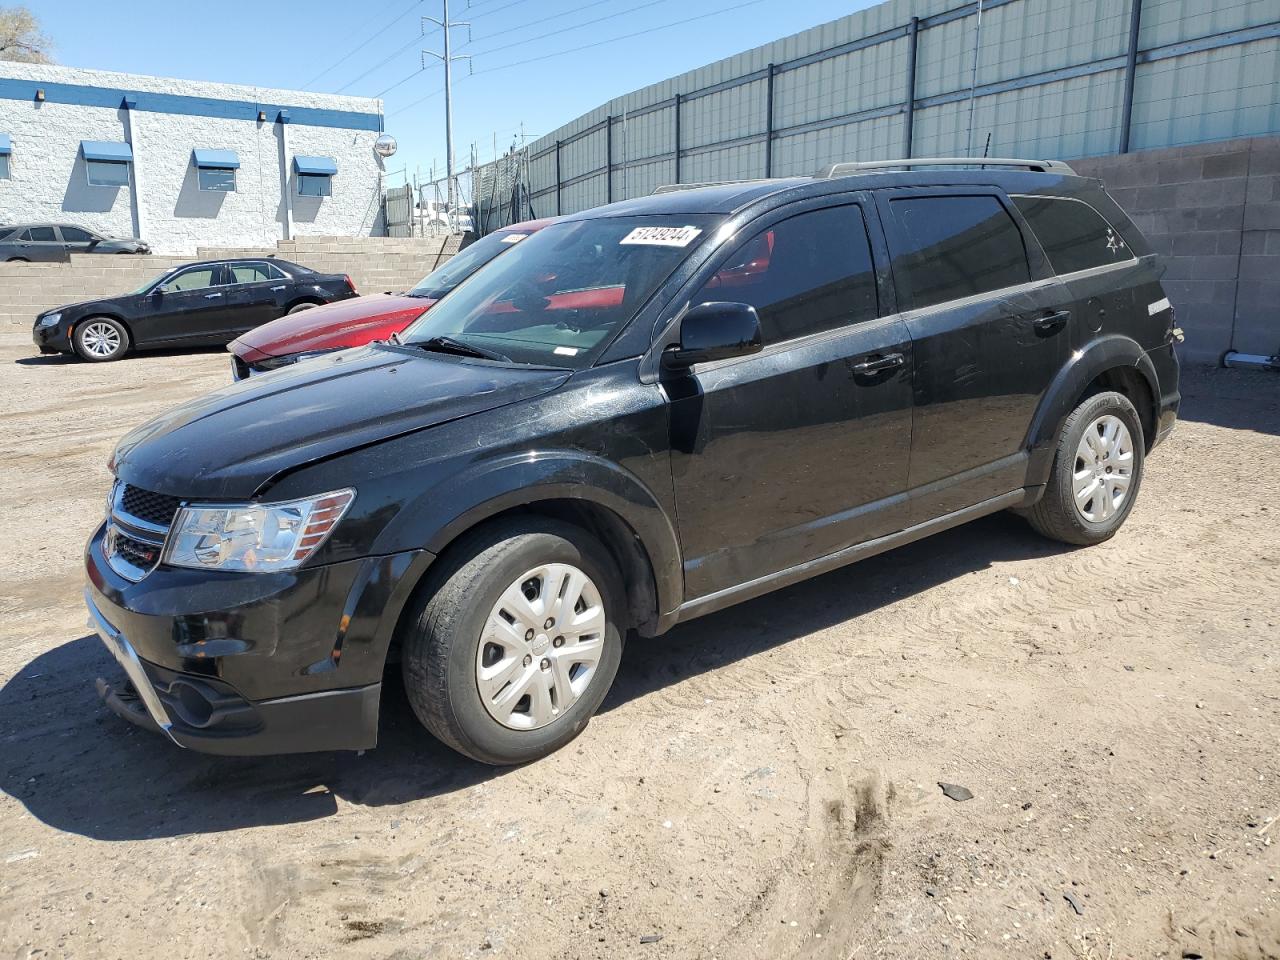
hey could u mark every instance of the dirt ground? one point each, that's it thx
(762, 783)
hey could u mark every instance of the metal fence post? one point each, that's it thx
(768, 123)
(1130, 69)
(558, 211)
(913, 40)
(608, 158)
(677, 138)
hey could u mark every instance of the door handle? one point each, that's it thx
(212, 296)
(278, 289)
(1051, 321)
(887, 362)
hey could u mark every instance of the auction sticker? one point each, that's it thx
(662, 236)
(514, 237)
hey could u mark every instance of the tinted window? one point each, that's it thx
(314, 185)
(955, 247)
(76, 235)
(463, 264)
(103, 173)
(193, 279)
(810, 273)
(251, 272)
(1073, 234)
(216, 179)
(40, 235)
(4, 166)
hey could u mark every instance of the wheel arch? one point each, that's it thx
(1110, 363)
(299, 301)
(102, 315)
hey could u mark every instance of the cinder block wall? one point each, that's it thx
(375, 264)
(1213, 210)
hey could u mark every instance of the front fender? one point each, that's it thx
(1085, 365)
(445, 511)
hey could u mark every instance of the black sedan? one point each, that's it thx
(199, 304)
(51, 242)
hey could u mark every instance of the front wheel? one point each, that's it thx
(515, 650)
(1097, 470)
(100, 338)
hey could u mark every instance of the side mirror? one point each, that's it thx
(715, 331)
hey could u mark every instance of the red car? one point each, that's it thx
(355, 322)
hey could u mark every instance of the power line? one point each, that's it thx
(419, 101)
(506, 6)
(576, 26)
(542, 20)
(626, 36)
(400, 83)
(383, 62)
(391, 23)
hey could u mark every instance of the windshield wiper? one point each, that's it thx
(450, 345)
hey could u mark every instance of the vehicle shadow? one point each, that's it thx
(69, 359)
(78, 768)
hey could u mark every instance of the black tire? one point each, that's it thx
(17, 260)
(444, 634)
(1055, 515)
(85, 326)
(299, 307)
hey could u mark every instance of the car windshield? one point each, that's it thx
(561, 293)
(464, 263)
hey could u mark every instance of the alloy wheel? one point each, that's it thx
(100, 339)
(541, 646)
(1103, 469)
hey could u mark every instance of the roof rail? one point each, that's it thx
(1039, 166)
(675, 187)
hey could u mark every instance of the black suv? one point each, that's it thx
(640, 415)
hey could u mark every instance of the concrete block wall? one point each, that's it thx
(375, 264)
(1213, 211)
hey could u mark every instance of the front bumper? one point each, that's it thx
(252, 663)
(55, 339)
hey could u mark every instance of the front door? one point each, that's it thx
(190, 307)
(989, 327)
(256, 294)
(798, 451)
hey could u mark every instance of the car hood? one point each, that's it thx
(334, 326)
(99, 304)
(231, 443)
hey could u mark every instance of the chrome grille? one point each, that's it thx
(137, 525)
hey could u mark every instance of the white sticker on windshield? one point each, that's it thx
(662, 236)
(514, 238)
(567, 351)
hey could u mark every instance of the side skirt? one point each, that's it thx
(859, 551)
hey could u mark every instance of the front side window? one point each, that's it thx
(216, 179)
(559, 295)
(314, 185)
(196, 279)
(76, 235)
(40, 235)
(807, 274)
(107, 173)
(954, 247)
(1073, 234)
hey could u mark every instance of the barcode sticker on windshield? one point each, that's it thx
(514, 238)
(662, 236)
(566, 351)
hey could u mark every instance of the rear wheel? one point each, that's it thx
(509, 658)
(299, 307)
(101, 338)
(1097, 470)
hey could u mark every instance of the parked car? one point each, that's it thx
(206, 303)
(46, 242)
(500, 497)
(354, 323)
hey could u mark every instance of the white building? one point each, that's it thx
(182, 164)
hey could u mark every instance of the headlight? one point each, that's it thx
(275, 363)
(254, 537)
(49, 319)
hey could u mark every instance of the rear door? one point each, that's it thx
(801, 450)
(40, 245)
(191, 307)
(989, 329)
(257, 293)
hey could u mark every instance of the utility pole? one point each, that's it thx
(446, 27)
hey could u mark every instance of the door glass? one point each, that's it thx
(76, 235)
(196, 279)
(955, 247)
(250, 272)
(809, 273)
(1073, 234)
(40, 235)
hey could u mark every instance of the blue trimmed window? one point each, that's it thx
(216, 170)
(106, 163)
(314, 176)
(6, 148)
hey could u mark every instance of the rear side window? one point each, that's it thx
(40, 235)
(954, 247)
(1073, 234)
(807, 274)
(254, 272)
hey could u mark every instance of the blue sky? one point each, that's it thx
(373, 46)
